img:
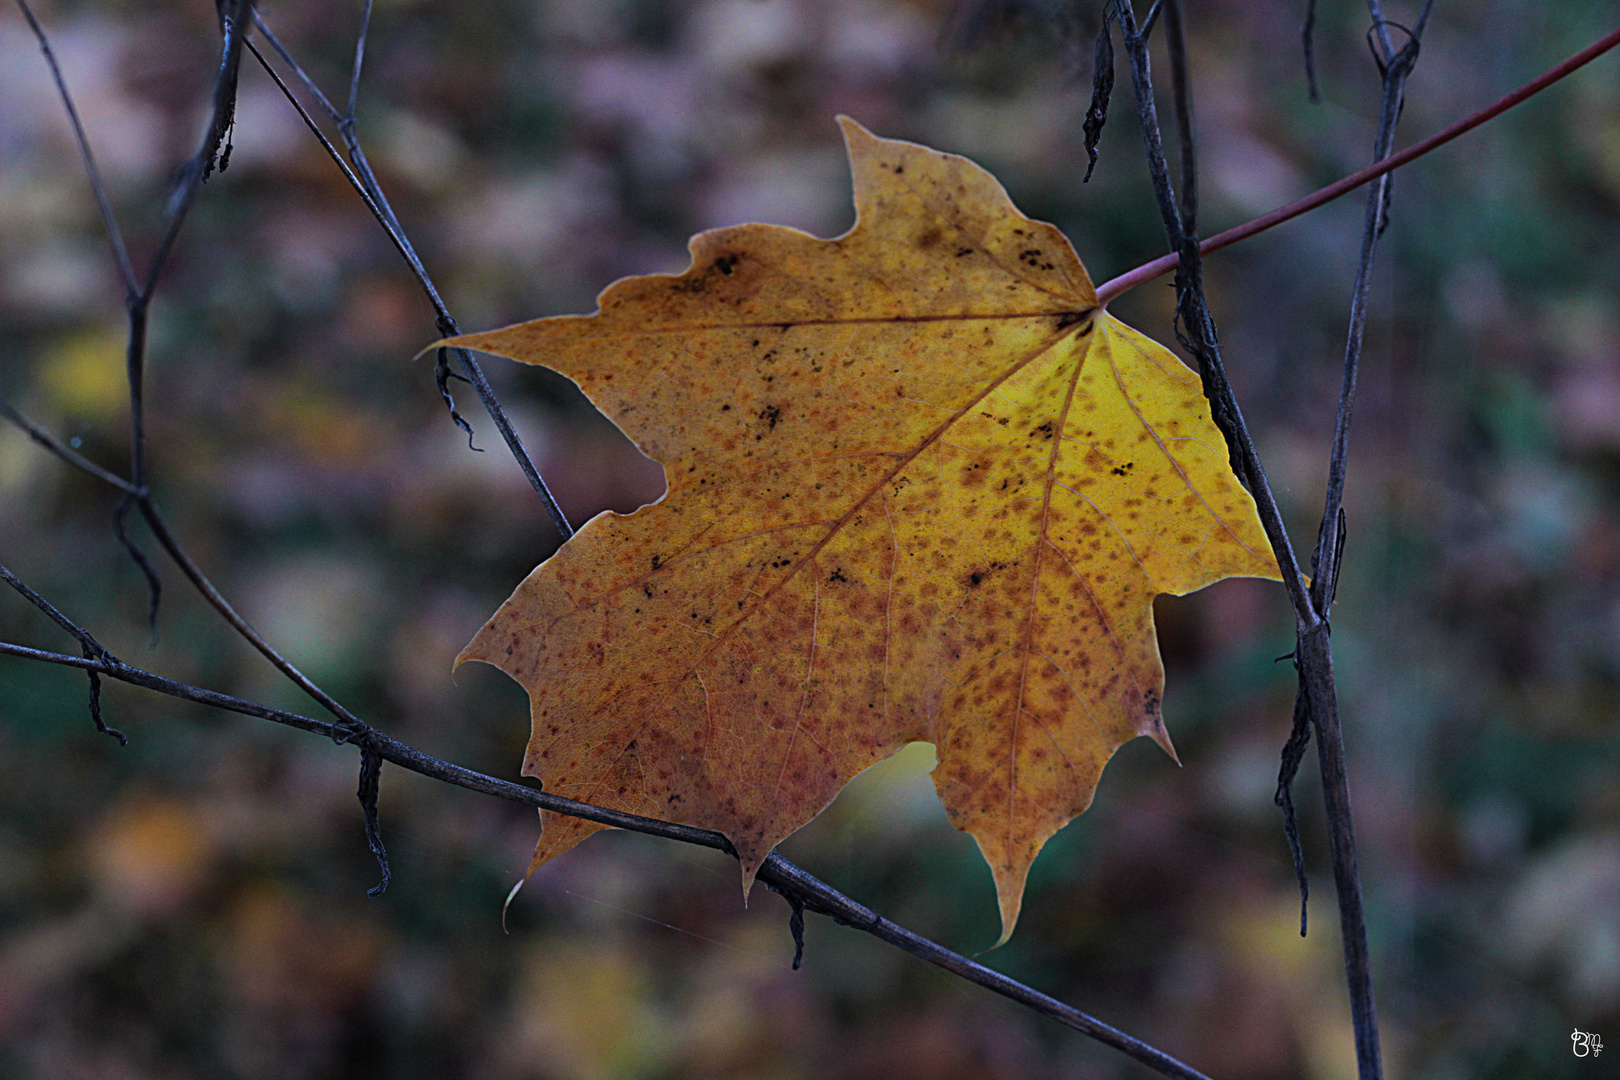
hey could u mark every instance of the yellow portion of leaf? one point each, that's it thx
(920, 488)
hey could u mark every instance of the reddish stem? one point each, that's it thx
(1165, 263)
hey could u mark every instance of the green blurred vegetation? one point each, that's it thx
(193, 905)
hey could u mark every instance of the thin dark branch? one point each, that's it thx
(777, 874)
(1307, 35)
(114, 235)
(1102, 87)
(1313, 654)
(165, 537)
(1395, 67)
(286, 57)
(370, 777)
(1325, 560)
(1223, 405)
(88, 645)
(359, 61)
(196, 171)
(209, 155)
(92, 648)
(365, 183)
(399, 241)
(134, 498)
(1176, 41)
(1136, 45)
(72, 457)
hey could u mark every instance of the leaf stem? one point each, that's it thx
(1116, 287)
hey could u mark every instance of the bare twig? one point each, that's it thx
(72, 457)
(1177, 43)
(778, 873)
(1312, 653)
(1307, 36)
(359, 58)
(115, 236)
(201, 165)
(139, 291)
(365, 183)
(1395, 67)
(1216, 387)
(176, 550)
(1102, 87)
(1115, 287)
(90, 646)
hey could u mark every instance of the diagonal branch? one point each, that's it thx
(799, 886)
(115, 236)
(55, 446)
(365, 184)
(1397, 67)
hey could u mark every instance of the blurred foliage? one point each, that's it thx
(194, 904)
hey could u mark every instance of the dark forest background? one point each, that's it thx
(194, 905)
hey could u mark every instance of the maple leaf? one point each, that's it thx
(920, 488)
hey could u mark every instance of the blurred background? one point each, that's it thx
(193, 905)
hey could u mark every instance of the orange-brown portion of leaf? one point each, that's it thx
(919, 489)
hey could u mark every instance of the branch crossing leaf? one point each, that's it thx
(921, 487)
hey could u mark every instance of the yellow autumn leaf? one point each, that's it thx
(920, 488)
